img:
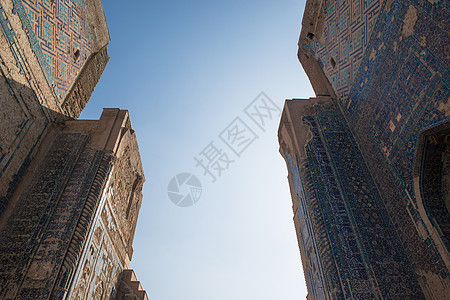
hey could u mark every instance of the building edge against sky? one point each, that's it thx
(368, 158)
(70, 190)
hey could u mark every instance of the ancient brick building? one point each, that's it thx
(69, 229)
(368, 158)
(52, 54)
(70, 190)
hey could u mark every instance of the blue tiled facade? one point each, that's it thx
(315, 275)
(373, 156)
(57, 30)
(343, 225)
(51, 62)
(347, 28)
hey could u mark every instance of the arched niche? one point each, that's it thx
(432, 185)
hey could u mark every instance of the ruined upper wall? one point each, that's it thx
(52, 54)
(332, 42)
(109, 249)
(67, 33)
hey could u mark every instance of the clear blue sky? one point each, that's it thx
(185, 70)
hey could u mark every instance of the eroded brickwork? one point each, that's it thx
(49, 51)
(109, 249)
(130, 288)
(71, 229)
(44, 218)
(81, 91)
(352, 236)
(70, 191)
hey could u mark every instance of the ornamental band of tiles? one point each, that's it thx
(70, 190)
(369, 158)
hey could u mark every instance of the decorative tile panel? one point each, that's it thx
(63, 36)
(348, 26)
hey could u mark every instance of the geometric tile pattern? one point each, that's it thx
(388, 62)
(346, 34)
(356, 220)
(416, 66)
(308, 245)
(63, 35)
(402, 89)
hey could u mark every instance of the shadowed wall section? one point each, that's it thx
(52, 54)
(67, 232)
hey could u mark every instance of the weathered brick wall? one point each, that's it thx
(72, 226)
(109, 250)
(35, 238)
(130, 288)
(78, 96)
(127, 181)
(98, 272)
(39, 65)
(23, 119)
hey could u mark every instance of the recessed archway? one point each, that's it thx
(432, 184)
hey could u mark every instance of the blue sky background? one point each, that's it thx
(185, 70)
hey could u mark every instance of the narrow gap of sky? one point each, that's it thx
(185, 70)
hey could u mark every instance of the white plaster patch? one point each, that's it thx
(409, 21)
(423, 41)
(388, 5)
(373, 54)
(444, 107)
(391, 126)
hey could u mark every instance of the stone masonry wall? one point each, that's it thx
(72, 225)
(34, 240)
(48, 50)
